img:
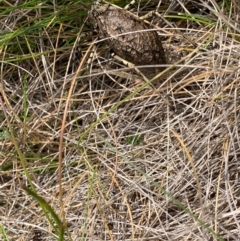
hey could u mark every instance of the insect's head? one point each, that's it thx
(98, 8)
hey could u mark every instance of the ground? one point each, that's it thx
(92, 151)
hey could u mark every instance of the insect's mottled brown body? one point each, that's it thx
(127, 36)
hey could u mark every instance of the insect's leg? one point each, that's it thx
(131, 66)
(150, 15)
(123, 61)
(150, 86)
(91, 56)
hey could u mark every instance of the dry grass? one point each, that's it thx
(111, 157)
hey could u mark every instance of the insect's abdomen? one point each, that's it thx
(129, 37)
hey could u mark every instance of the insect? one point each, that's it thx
(129, 37)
